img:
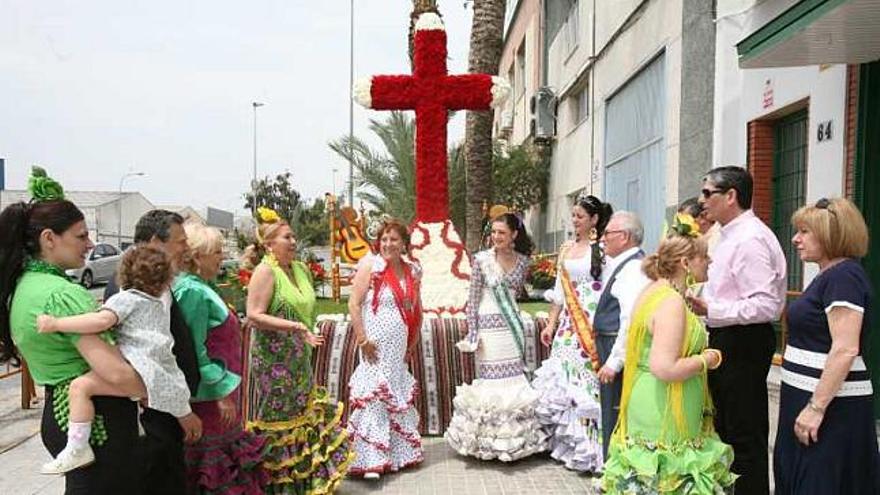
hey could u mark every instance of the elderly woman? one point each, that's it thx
(40, 240)
(226, 459)
(386, 314)
(825, 441)
(664, 441)
(308, 449)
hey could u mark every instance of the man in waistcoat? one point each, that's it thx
(624, 281)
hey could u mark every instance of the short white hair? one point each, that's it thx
(631, 224)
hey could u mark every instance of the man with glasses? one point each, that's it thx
(745, 294)
(624, 282)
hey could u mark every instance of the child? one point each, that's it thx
(141, 316)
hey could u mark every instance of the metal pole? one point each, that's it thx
(254, 181)
(351, 108)
(119, 206)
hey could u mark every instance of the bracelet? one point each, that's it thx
(718, 355)
(703, 362)
(814, 407)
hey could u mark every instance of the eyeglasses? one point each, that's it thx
(825, 204)
(614, 232)
(707, 193)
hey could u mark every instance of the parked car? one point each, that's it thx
(100, 266)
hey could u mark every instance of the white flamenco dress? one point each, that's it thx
(494, 417)
(384, 423)
(569, 406)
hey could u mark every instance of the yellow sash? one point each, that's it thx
(582, 327)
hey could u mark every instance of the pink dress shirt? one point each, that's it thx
(747, 277)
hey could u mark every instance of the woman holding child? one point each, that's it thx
(40, 240)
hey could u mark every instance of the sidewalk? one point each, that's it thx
(443, 472)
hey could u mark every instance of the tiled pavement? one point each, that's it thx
(443, 471)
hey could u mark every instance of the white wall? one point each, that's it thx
(740, 95)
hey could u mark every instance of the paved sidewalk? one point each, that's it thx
(443, 472)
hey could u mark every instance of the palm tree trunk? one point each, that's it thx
(419, 8)
(485, 56)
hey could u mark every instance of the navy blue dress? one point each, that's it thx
(845, 459)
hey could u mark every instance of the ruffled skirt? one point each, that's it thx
(225, 461)
(310, 453)
(569, 409)
(495, 419)
(695, 467)
(383, 421)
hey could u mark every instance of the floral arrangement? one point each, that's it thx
(542, 272)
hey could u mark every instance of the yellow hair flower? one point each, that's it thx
(685, 225)
(267, 215)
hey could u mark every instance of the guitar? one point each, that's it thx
(354, 244)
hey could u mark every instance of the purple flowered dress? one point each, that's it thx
(309, 451)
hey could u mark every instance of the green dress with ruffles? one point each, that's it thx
(664, 441)
(309, 450)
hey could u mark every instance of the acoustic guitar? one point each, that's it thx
(354, 244)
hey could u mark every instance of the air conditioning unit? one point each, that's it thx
(543, 109)
(506, 122)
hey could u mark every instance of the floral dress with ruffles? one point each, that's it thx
(309, 450)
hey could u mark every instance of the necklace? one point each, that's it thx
(41, 266)
(681, 292)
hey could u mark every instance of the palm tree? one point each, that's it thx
(485, 56)
(385, 180)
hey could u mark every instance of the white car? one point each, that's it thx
(101, 264)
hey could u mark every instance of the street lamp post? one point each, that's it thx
(351, 107)
(334, 181)
(119, 205)
(255, 105)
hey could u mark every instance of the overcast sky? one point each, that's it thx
(94, 89)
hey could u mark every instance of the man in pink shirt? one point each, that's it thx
(744, 295)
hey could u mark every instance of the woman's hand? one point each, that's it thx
(806, 426)
(312, 339)
(712, 357)
(547, 333)
(370, 351)
(228, 411)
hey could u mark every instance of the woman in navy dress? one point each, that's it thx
(825, 441)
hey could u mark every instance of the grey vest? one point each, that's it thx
(607, 318)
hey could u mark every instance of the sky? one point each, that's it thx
(93, 90)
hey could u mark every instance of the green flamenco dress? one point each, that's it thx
(664, 441)
(309, 450)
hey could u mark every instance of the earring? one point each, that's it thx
(594, 234)
(689, 279)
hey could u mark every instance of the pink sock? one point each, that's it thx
(78, 434)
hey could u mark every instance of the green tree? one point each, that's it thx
(387, 179)
(520, 174)
(308, 220)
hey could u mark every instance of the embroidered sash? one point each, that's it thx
(506, 304)
(579, 321)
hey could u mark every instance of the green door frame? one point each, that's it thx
(867, 197)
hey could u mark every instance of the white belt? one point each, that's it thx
(817, 360)
(808, 383)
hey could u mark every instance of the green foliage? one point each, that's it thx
(385, 179)
(520, 175)
(308, 221)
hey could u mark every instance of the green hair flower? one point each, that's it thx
(42, 187)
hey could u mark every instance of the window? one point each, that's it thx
(519, 86)
(579, 104)
(571, 29)
(789, 187)
(110, 250)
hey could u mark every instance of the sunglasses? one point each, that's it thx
(707, 193)
(825, 204)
